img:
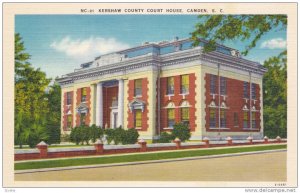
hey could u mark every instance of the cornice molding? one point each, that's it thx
(179, 57)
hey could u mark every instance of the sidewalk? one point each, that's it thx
(198, 156)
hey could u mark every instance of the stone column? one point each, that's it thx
(121, 103)
(99, 105)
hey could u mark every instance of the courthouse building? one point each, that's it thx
(153, 86)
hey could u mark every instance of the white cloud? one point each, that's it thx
(274, 43)
(87, 49)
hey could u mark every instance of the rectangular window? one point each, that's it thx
(223, 118)
(82, 118)
(83, 94)
(253, 91)
(69, 121)
(213, 84)
(69, 98)
(185, 115)
(246, 89)
(138, 118)
(185, 84)
(171, 117)
(245, 119)
(170, 89)
(212, 117)
(253, 119)
(223, 85)
(235, 119)
(138, 87)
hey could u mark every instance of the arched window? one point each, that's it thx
(185, 112)
(223, 119)
(171, 117)
(184, 104)
(170, 105)
(245, 119)
(223, 105)
(253, 116)
(212, 115)
(213, 104)
(245, 116)
(171, 114)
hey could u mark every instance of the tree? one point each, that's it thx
(250, 29)
(21, 57)
(275, 96)
(53, 119)
(218, 28)
(31, 104)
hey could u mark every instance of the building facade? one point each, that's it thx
(153, 86)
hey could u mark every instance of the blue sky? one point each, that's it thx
(59, 43)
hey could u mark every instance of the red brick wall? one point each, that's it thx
(88, 103)
(234, 101)
(177, 99)
(108, 94)
(66, 109)
(144, 97)
(29, 156)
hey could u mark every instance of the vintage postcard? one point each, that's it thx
(150, 95)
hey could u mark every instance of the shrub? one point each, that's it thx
(119, 135)
(130, 136)
(181, 131)
(165, 137)
(85, 133)
(54, 134)
(109, 135)
(95, 133)
(75, 135)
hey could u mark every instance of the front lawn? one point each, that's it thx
(139, 157)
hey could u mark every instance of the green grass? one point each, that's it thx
(138, 157)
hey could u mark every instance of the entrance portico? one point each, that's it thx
(109, 103)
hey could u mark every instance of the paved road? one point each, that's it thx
(256, 167)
